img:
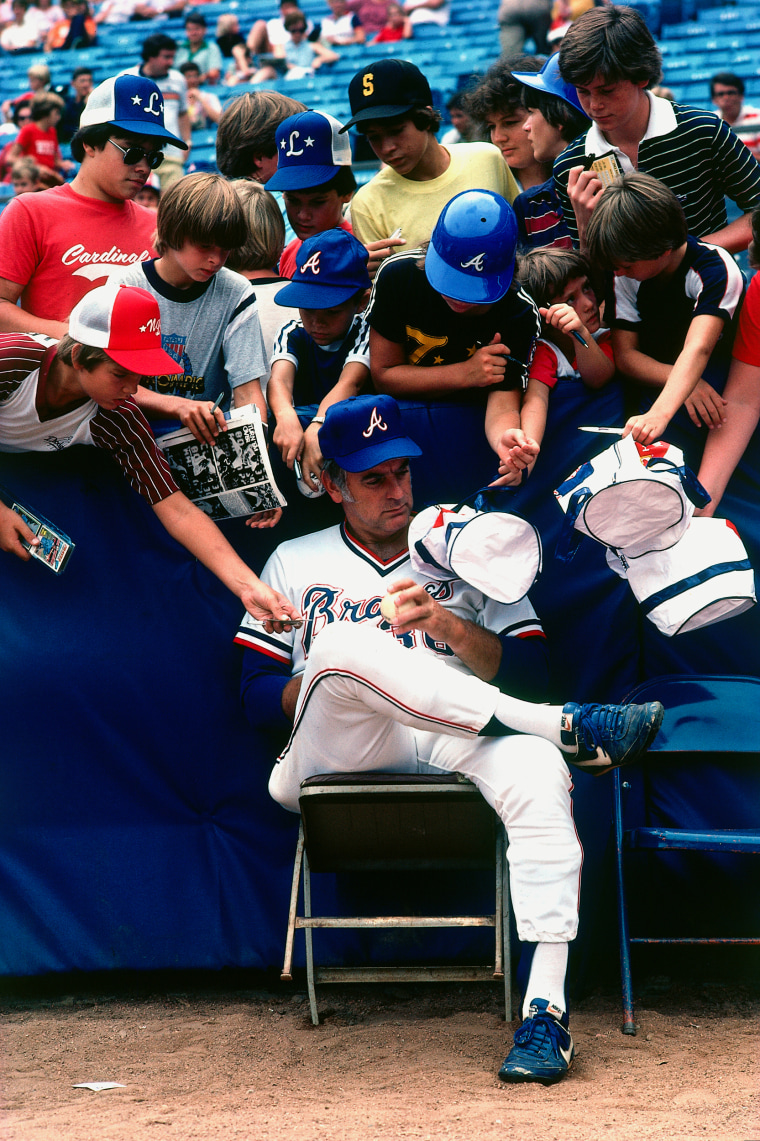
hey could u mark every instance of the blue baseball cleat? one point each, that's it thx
(603, 737)
(543, 1049)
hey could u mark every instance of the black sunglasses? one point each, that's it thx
(133, 155)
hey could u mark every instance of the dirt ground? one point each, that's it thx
(387, 1062)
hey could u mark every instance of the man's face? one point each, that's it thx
(728, 101)
(159, 65)
(612, 104)
(82, 86)
(380, 503)
(194, 33)
(117, 181)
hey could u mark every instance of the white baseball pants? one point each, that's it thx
(367, 703)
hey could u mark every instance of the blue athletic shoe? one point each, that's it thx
(603, 737)
(543, 1049)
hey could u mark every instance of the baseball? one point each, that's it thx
(388, 608)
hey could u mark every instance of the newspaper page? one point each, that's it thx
(231, 478)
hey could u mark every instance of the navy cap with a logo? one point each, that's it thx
(132, 103)
(387, 88)
(330, 268)
(363, 431)
(310, 151)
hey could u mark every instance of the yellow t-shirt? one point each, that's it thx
(388, 200)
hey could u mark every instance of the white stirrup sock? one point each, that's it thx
(528, 717)
(547, 976)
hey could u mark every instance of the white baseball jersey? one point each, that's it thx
(330, 577)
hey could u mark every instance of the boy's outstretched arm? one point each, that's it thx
(200, 535)
(353, 379)
(724, 449)
(678, 380)
(195, 415)
(503, 432)
(392, 374)
(288, 435)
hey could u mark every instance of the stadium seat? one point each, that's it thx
(395, 823)
(709, 737)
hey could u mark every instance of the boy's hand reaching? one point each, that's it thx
(584, 188)
(648, 427)
(311, 459)
(288, 437)
(197, 416)
(706, 406)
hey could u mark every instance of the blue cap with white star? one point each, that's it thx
(310, 151)
(131, 102)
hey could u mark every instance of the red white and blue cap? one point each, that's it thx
(550, 82)
(330, 268)
(132, 103)
(125, 322)
(310, 151)
(363, 431)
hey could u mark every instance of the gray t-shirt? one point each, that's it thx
(211, 329)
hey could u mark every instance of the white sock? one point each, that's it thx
(528, 717)
(547, 976)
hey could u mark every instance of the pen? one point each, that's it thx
(581, 340)
(607, 431)
(219, 400)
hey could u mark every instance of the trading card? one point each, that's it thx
(55, 547)
(606, 167)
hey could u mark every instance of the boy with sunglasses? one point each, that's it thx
(55, 247)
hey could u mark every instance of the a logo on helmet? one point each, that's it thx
(375, 421)
(476, 263)
(312, 263)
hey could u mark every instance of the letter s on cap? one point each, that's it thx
(368, 86)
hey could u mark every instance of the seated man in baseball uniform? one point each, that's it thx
(427, 692)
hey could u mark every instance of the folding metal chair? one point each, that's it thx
(395, 822)
(709, 721)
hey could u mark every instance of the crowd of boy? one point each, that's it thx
(466, 272)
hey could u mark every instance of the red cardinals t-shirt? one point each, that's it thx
(59, 245)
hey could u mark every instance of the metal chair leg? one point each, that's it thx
(309, 944)
(287, 966)
(506, 935)
(629, 1025)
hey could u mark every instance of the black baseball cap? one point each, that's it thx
(385, 89)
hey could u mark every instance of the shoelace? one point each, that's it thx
(540, 1033)
(608, 725)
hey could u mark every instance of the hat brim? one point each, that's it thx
(305, 296)
(399, 449)
(384, 111)
(151, 130)
(537, 81)
(301, 177)
(147, 362)
(481, 290)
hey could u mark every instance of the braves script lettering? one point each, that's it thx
(476, 263)
(375, 421)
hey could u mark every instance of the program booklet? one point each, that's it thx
(229, 479)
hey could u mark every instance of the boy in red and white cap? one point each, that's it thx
(79, 391)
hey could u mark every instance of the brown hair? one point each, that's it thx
(200, 208)
(246, 130)
(637, 218)
(612, 42)
(545, 272)
(88, 356)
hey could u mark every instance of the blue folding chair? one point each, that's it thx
(711, 729)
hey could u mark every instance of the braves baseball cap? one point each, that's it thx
(471, 256)
(330, 268)
(387, 88)
(549, 80)
(125, 322)
(310, 151)
(131, 102)
(363, 431)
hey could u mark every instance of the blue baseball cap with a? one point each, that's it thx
(132, 103)
(330, 268)
(310, 151)
(364, 431)
(550, 82)
(471, 256)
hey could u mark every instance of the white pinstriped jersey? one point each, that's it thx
(25, 359)
(330, 577)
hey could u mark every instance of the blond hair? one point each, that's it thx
(266, 228)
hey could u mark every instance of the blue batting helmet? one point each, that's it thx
(471, 256)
